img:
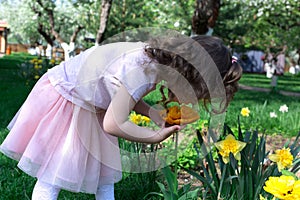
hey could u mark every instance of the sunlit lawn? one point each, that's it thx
(288, 82)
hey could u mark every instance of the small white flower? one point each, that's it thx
(273, 115)
(283, 108)
(176, 24)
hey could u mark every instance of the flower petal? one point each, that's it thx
(225, 159)
(237, 156)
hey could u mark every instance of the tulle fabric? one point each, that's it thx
(61, 143)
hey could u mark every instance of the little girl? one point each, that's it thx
(66, 133)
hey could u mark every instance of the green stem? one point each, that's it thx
(176, 152)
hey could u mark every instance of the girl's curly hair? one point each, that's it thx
(175, 53)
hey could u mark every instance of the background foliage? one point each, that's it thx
(242, 24)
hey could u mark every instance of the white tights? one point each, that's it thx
(105, 192)
(45, 191)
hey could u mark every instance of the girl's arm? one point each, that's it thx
(143, 108)
(116, 121)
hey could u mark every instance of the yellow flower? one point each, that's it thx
(230, 145)
(283, 158)
(283, 187)
(36, 77)
(135, 118)
(52, 61)
(139, 119)
(37, 67)
(245, 112)
(34, 60)
(180, 115)
(146, 120)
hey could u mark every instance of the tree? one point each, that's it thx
(21, 22)
(45, 10)
(105, 11)
(260, 24)
(168, 14)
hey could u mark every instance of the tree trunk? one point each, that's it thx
(52, 34)
(105, 10)
(205, 16)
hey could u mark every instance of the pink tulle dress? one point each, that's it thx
(57, 134)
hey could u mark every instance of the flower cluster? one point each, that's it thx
(284, 108)
(287, 186)
(37, 66)
(139, 119)
(33, 69)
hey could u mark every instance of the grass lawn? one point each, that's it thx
(286, 82)
(14, 184)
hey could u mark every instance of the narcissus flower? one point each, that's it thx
(283, 158)
(180, 115)
(139, 119)
(245, 112)
(146, 120)
(283, 187)
(273, 115)
(284, 108)
(230, 145)
(52, 61)
(34, 60)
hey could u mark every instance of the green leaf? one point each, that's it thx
(153, 193)
(166, 194)
(184, 189)
(191, 195)
(288, 173)
(171, 179)
(205, 182)
(222, 180)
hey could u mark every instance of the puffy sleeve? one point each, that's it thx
(138, 75)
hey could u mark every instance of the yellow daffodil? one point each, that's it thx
(146, 120)
(230, 145)
(283, 187)
(135, 118)
(283, 158)
(245, 112)
(139, 119)
(37, 67)
(52, 61)
(34, 60)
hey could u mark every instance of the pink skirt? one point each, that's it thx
(61, 143)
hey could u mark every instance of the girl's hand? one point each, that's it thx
(166, 132)
(155, 115)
